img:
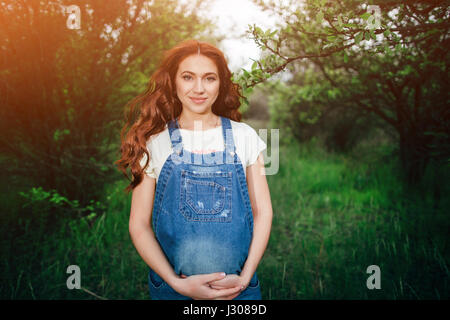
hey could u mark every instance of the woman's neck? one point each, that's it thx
(198, 122)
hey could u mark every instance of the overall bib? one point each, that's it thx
(202, 217)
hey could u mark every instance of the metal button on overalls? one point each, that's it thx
(202, 217)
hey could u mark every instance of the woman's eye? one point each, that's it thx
(188, 77)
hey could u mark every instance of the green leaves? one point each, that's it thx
(365, 16)
(39, 198)
(358, 37)
(407, 70)
(350, 25)
(319, 17)
(373, 56)
(365, 35)
(254, 65)
(258, 30)
(332, 38)
(59, 134)
(260, 33)
(260, 71)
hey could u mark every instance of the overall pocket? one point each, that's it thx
(252, 292)
(206, 196)
(154, 280)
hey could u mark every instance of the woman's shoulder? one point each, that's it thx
(242, 129)
(158, 139)
(241, 126)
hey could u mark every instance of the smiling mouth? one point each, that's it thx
(198, 101)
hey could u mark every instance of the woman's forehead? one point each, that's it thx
(198, 64)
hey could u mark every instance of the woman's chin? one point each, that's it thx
(199, 109)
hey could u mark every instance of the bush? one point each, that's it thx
(50, 206)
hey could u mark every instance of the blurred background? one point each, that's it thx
(364, 149)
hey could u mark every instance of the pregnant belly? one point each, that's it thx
(199, 255)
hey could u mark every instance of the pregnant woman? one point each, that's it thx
(201, 212)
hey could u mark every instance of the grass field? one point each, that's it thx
(333, 217)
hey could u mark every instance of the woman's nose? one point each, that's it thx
(198, 86)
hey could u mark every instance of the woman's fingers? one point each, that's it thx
(231, 280)
(223, 293)
(217, 287)
(212, 276)
(215, 292)
(206, 278)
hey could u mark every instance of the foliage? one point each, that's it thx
(62, 91)
(335, 216)
(391, 62)
(308, 107)
(43, 202)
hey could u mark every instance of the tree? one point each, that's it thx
(389, 59)
(62, 90)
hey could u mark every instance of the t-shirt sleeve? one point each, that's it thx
(255, 146)
(150, 170)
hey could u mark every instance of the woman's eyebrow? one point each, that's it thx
(205, 74)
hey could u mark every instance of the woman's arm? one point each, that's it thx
(144, 240)
(141, 231)
(259, 194)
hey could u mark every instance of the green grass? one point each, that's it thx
(36, 261)
(333, 216)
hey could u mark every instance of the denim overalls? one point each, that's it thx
(202, 217)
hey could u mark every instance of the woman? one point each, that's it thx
(209, 204)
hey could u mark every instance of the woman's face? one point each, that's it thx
(197, 83)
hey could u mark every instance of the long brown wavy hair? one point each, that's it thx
(148, 113)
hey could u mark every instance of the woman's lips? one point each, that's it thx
(198, 101)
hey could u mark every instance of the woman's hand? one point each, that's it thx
(198, 287)
(231, 280)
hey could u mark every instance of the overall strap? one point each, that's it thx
(227, 132)
(175, 136)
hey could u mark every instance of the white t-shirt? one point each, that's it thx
(248, 145)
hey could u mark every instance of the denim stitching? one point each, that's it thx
(255, 286)
(207, 218)
(244, 193)
(185, 211)
(161, 193)
(153, 284)
(222, 194)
